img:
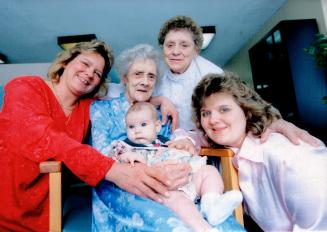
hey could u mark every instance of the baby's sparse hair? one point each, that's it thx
(139, 106)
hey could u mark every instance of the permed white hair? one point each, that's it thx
(140, 52)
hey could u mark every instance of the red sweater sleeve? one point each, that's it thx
(40, 131)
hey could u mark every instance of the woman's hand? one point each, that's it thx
(167, 109)
(140, 179)
(182, 144)
(176, 172)
(289, 130)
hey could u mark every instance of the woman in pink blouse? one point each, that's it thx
(284, 185)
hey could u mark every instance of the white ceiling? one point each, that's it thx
(29, 28)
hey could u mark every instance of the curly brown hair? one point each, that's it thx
(181, 22)
(259, 114)
(63, 58)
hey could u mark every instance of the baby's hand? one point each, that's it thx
(131, 157)
(182, 144)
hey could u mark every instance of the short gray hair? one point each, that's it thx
(140, 52)
(181, 22)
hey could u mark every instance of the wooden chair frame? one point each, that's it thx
(55, 202)
(229, 174)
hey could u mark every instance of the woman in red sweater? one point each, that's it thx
(48, 120)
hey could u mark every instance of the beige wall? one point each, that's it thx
(292, 9)
(10, 71)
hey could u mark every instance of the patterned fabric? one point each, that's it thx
(179, 88)
(153, 155)
(108, 122)
(33, 128)
(115, 209)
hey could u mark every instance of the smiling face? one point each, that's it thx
(140, 80)
(142, 126)
(83, 74)
(223, 120)
(179, 50)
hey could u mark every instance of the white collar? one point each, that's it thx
(183, 76)
(250, 150)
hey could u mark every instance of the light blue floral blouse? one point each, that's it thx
(115, 209)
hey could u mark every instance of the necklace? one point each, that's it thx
(67, 109)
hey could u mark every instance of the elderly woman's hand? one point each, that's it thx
(140, 179)
(289, 130)
(182, 144)
(167, 109)
(176, 172)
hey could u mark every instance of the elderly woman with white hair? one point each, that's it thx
(116, 209)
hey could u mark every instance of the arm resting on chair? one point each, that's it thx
(229, 173)
(55, 208)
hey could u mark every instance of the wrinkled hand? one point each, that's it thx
(140, 179)
(167, 109)
(182, 144)
(176, 172)
(131, 157)
(289, 130)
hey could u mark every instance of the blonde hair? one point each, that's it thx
(259, 114)
(63, 58)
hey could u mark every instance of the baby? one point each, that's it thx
(143, 145)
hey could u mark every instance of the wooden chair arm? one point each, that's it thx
(229, 173)
(55, 205)
(50, 166)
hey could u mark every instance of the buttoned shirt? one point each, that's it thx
(284, 185)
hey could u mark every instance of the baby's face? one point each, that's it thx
(141, 127)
